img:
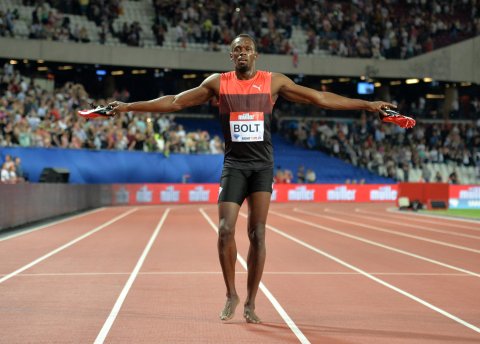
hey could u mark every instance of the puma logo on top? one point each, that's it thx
(257, 86)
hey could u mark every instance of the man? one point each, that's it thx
(301, 174)
(246, 98)
(19, 169)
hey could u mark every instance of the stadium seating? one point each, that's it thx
(318, 29)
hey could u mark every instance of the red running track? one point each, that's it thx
(335, 273)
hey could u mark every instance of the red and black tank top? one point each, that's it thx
(245, 108)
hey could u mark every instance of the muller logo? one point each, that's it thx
(144, 195)
(301, 193)
(470, 193)
(122, 195)
(246, 116)
(341, 193)
(199, 194)
(383, 193)
(170, 195)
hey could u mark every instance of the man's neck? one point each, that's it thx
(249, 74)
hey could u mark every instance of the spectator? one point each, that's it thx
(9, 163)
(279, 177)
(287, 176)
(453, 178)
(216, 146)
(426, 174)
(301, 174)
(8, 175)
(310, 176)
(83, 35)
(7, 22)
(5, 174)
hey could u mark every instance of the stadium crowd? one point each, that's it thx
(31, 116)
(34, 117)
(383, 149)
(378, 29)
(7, 22)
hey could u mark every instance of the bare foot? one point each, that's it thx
(250, 316)
(229, 310)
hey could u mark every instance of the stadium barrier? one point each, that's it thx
(427, 194)
(136, 194)
(464, 197)
(86, 166)
(111, 166)
(26, 203)
(441, 195)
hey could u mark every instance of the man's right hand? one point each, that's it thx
(117, 107)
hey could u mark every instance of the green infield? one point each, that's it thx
(465, 213)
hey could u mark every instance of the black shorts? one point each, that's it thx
(236, 184)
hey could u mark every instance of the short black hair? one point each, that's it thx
(245, 35)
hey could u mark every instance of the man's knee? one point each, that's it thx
(226, 231)
(256, 234)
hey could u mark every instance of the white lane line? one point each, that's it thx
(376, 279)
(121, 298)
(417, 217)
(379, 229)
(374, 243)
(411, 225)
(53, 223)
(301, 337)
(68, 244)
(420, 274)
(182, 273)
(394, 212)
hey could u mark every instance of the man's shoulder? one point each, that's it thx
(214, 76)
(279, 80)
(279, 77)
(212, 81)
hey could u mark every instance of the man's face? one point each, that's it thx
(243, 54)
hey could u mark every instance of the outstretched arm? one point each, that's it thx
(171, 103)
(289, 90)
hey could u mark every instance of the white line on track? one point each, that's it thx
(53, 223)
(374, 243)
(267, 293)
(121, 298)
(417, 217)
(439, 217)
(379, 229)
(376, 279)
(68, 244)
(411, 225)
(298, 273)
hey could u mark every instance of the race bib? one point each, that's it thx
(246, 126)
